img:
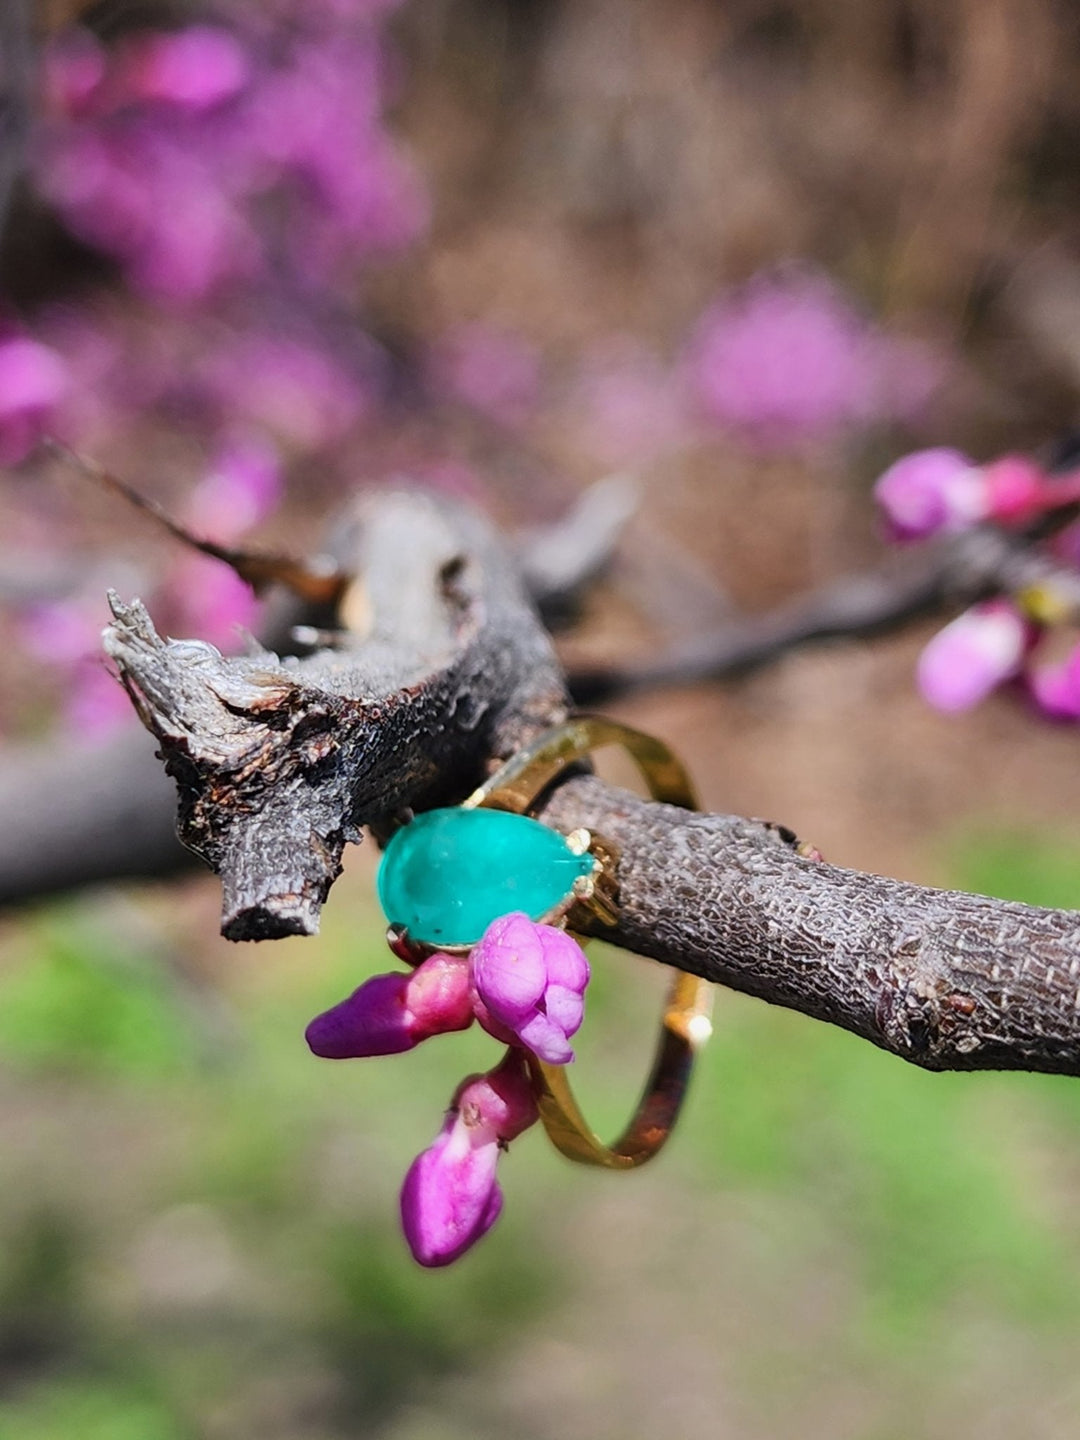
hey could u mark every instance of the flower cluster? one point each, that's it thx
(525, 985)
(169, 151)
(789, 359)
(237, 176)
(999, 641)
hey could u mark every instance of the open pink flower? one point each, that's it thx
(451, 1196)
(392, 1013)
(530, 981)
(974, 654)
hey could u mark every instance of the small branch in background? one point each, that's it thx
(558, 562)
(955, 572)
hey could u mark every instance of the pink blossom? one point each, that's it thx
(197, 68)
(785, 359)
(392, 1013)
(451, 1196)
(493, 371)
(634, 406)
(1056, 688)
(295, 387)
(974, 654)
(211, 600)
(242, 487)
(530, 981)
(60, 632)
(33, 382)
(931, 491)
(95, 703)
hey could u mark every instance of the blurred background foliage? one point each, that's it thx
(585, 210)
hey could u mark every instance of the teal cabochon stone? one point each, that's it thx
(449, 873)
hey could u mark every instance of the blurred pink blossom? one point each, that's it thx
(197, 68)
(60, 632)
(634, 406)
(242, 486)
(491, 370)
(295, 388)
(211, 601)
(33, 382)
(165, 150)
(1056, 688)
(95, 703)
(788, 358)
(973, 655)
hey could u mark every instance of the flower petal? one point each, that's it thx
(508, 968)
(546, 1040)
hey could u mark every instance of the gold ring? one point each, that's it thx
(685, 1025)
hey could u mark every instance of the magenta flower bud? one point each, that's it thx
(502, 1099)
(931, 491)
(530, 980)
(392, 1013)
(1017, 488)
(451, 1197)
(973, 655)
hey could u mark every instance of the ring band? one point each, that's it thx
(685, 1024)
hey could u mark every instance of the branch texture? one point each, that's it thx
(947, 980)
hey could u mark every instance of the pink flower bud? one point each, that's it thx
(931, 491)
(530, 981)
(973, 655)
(1056, 688)
(1017, 489)
(392, 1013)
(451, 1196)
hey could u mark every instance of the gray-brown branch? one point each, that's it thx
(956, 571)
(279, 762)
(947, 980)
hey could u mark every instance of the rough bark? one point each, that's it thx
(279, 762)
(946, 980)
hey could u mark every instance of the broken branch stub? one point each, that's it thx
(279, 761)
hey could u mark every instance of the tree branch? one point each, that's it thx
(946, 980)
(958, 571)
(280, 762)
(445, 671)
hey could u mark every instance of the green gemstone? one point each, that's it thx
(449, 873)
